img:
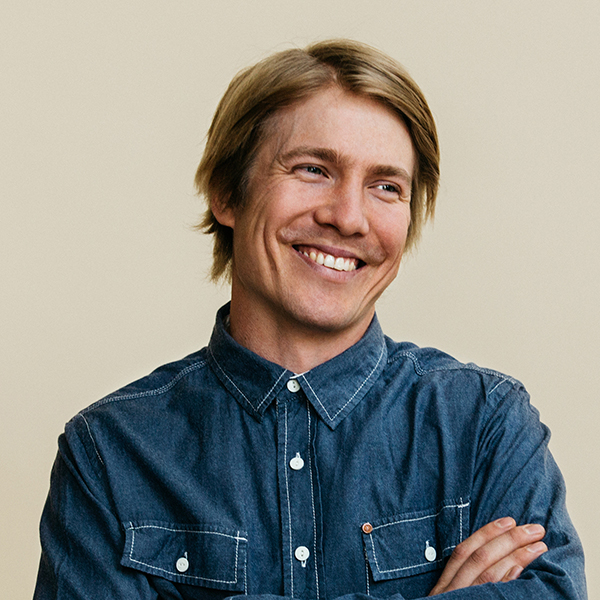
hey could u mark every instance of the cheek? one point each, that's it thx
(392, 232)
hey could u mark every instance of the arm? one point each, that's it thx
(82, 541)
(498, 552)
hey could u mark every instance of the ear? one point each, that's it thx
(222, 211)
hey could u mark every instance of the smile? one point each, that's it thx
(338, 263)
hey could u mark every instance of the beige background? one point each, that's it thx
(103, 110)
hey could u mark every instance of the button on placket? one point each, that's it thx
(302, 553)
(298, 508)
(297, 462)
(293, 385)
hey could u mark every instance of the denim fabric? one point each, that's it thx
(225, 474)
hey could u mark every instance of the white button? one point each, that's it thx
(302, 553)
(293, 385)
(182, 564)
(297, 463)
(430, 553)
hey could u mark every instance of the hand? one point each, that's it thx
(499, 551)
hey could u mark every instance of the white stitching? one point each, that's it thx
(233, 537)
(367, 572)
(139, 562)
(287, 491)
(312, 499)
(92, 438)
(353, 395)
(240, 391)
(401, 568)
(461, 525)
(272, 388)
(132, 540)
(230, 380)
(246, 576)
(461, 506)
(155, 392)
(237, 545)
(245, 570)
(496, 386)
(457, 366)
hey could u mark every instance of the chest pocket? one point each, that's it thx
(201, 555)
(415, 542)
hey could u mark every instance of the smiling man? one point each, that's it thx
(303, 453)
(323, 228)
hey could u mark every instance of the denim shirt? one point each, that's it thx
(225, 474)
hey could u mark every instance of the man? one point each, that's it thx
(303, 453)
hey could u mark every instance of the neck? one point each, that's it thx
(283, 341)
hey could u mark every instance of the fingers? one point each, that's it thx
(506, 569)
(499, 551)
(464, 550)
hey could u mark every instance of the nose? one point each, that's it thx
(344, 209)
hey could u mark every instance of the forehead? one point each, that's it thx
(355, 127)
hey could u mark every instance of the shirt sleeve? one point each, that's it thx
(81, 539)
(516, 475)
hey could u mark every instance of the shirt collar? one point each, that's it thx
(333, 388)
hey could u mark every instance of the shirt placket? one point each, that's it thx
(299, 508)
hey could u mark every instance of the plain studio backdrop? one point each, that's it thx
(103, 111)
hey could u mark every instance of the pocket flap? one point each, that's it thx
(204, 555)
(414, 542)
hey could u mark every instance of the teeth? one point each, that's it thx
(330, 261)
(339, 264)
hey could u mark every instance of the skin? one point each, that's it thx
(498, 552)
(334, 177)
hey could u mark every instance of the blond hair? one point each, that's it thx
(282, 79)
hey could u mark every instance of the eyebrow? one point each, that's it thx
(332, 156)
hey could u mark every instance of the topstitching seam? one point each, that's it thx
(230, 380)
(331, 418)
(312, 499)
(287, 492)
(139, 562)
(461, 506)
(269, 392)
(92, 438)
(156, 392)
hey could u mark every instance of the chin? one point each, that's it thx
(330, 319)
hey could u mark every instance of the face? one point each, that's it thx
(327, 214)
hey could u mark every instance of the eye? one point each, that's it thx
(388, 187)
(312, 169)
(390, 192)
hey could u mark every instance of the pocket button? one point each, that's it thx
(430, 553)
(182, 564)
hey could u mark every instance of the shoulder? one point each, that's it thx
(430, 367)
(146, 409)
(155, 388)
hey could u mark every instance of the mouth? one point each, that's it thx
(330, 261)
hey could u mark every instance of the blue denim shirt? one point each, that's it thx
(225, 474)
